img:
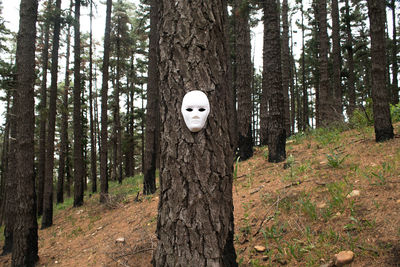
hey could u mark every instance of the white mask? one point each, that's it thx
(195, 110)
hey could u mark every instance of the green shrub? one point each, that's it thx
(395, 112)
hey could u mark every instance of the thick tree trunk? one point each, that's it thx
(272, 81)
(380, 95)
(47, 219)
(104, 99)
(286, 64)
(64, 122)
(336, 63)
(43, 113)
(77, 118)
(195, 222)
(243, 78)
(325, 93)
(25, 242)
(152, 143)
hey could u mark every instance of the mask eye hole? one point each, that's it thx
(189, 109)
(202, 109)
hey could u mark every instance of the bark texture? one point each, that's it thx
(380, 95)
(395, 67)
(326, 110)
(104, 99)
(286, 64)
(195, 221)
(336, 63)
(152, 137)
(272, 83)
(77, 119)
(25, 242)
(47, 219)
(243, 79)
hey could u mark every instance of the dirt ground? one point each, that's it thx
(300, 210)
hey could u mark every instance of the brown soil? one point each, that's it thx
(289, 209)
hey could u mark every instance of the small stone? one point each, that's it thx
(259, 248)
(354, 193)
(343, 258)
(321, 205)
(265, 257)
(79, 212)
(323, 162)
(99, 228)
(338, 214)
(398, 201)
(56, 262)
(120, 240)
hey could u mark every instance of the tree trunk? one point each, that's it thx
(243, 78)
(350, 57)
(305, 113)
(10, 183)
(380, 95)
(64, 121)
(395, 68)
(77, 118)
(325, 92)
(336, 64)
(47, 219)
(93, 152)
(152, 143)
(104, 99)
(286, 64)
(272, 79)
(195, 222)
(25, 242)
(43, 113)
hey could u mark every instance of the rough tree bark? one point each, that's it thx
(195, 221)
(152, 136)
(272, 81)
(286, 64)
(77, 119)
(47, 219)
(43, 112)
(25, 242)
(395, 68)
(243, 78)
(380, 95)
(104, 99)
(336, 63)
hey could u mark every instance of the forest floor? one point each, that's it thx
(338, 190)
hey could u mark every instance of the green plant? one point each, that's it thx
(338, 194)
(308, 207)
(395, 112)
(335, 159)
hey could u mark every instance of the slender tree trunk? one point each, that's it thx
(152, 136)
(43, 113)
(142, 129)
(68, 169)
(336, 68)
(243, 78)
(10, 183)
(380, 95)
(395, 68)
(195, 222)
(93, 152)
(64, 121)
(77, 118)
(305, 113)
(286, 64)
(292, 84)
(350, 57)
(104, 99)
(25, 242)
(130, 170)
(4, 157)
(47, 219)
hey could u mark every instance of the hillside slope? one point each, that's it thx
(337, 191)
